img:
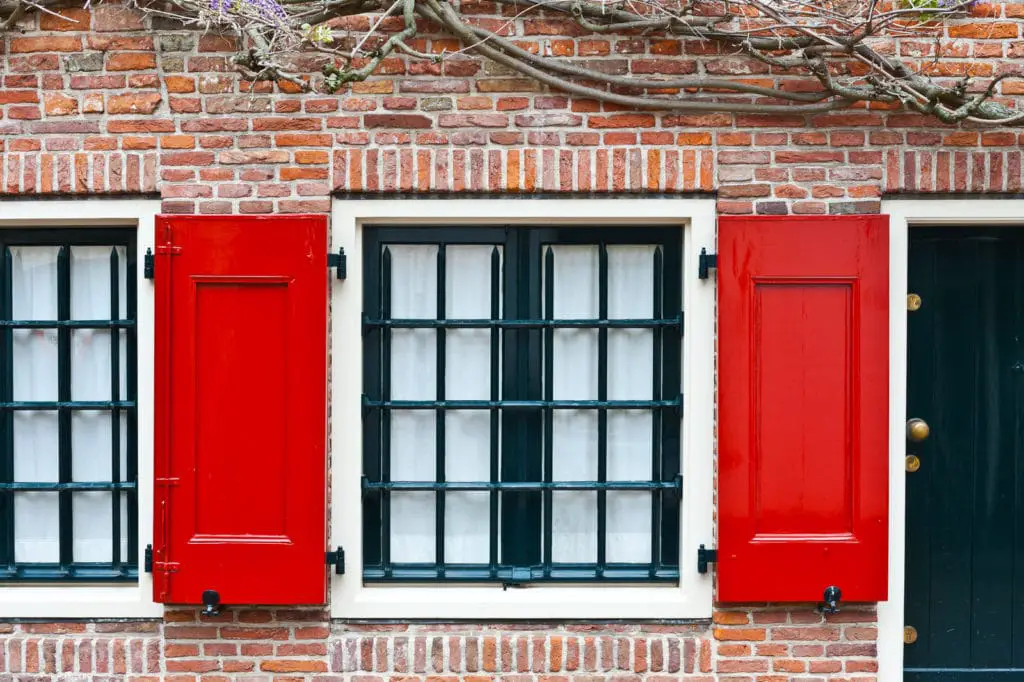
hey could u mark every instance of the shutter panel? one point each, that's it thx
(803, 408)
(241, 357)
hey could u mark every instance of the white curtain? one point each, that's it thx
(34, 280)
(467, 377)
(630, 377)
(414, 377)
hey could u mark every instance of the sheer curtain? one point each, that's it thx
(576, 375)
(414, 377)
(467, 433)
(36, 433)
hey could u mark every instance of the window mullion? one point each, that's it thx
(115, 413)
(495, 430)
(385, 414)
(131, 355)
(7, 416)
(439, 415)
(602, 413)
(65, 469)
(548, 415)
(657, 473)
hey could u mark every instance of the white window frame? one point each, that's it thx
(692, 597)
(904, 215)
(98, 600)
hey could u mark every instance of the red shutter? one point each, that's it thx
(803, 408)
(241, 386)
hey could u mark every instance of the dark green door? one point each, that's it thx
(965, 504)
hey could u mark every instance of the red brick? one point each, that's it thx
(46, 44)
(984, 30)
(131, 61)
(69, 19)
(145, 103)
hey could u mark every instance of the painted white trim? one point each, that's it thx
(100, 601)
(350, 598)
(904, 215)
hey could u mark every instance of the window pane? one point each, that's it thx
(630, 377)
(34, 282)
(91, 446)
(93, 515)
(468, 377)
(34, 297)
(90, 364)
(413, 377)
(36, 527)
(574, 432)
(35, 446)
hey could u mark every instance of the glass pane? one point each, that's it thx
(34, 282)
(36, 527)
(124, 529)
(468, 377)
(93, 525)
(91, 446)
(629, 512)
(574, 432)
(412, 527)
(630, 377)
(36, 446)
(90, 364)
(90, 282)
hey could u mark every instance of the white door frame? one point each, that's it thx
(903, 215)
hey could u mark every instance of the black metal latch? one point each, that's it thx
(147, 264)
(339, 261)
(147, 560)
(705, 262)
(830, 600)
(337, 559)
(706, 556)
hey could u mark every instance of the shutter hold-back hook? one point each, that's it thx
(211, 603)
(832, 596)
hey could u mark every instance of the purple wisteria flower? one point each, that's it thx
(269, 10)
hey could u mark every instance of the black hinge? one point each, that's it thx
(340, 262)
(706, 262)
(337, 558)
(148, 559)
(147, 264)
(704, 557)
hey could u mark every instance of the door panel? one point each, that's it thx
(965, 505)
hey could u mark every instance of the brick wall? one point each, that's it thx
(769, 645)
(104, 103)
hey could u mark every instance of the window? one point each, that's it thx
(522, 404)
(68, 425)
(76, 501)
(518, 406)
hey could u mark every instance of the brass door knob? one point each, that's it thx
(917, 430)
(909, 634)
(913, 463)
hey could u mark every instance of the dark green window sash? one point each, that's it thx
(66, 569)
(522, 329)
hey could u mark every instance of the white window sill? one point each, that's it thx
(524, 603)
(79, 601)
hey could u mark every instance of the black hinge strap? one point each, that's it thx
(704, 557)
(337, 558)
(705, 262)
(340, 262)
